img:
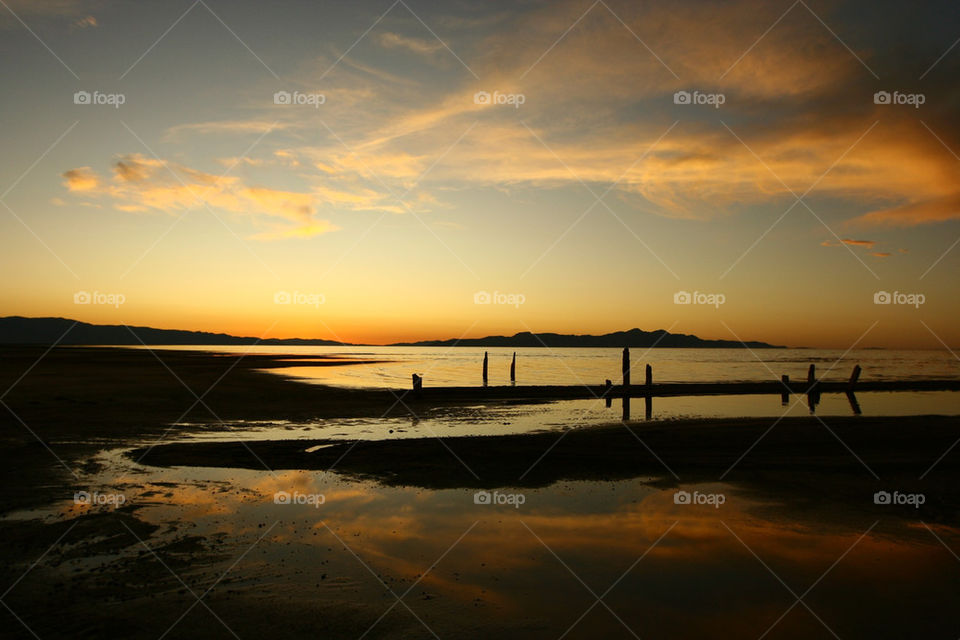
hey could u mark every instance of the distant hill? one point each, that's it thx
(19, 330)
(631, 338)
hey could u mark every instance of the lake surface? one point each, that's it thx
(461, 366)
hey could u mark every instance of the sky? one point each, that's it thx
(400, 170)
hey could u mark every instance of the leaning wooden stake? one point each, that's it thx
(513, 368)
(811, 375)
(484, 367)
(854, 376)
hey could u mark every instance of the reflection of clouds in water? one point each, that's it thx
(598, 529)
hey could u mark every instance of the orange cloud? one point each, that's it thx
(140, 184)
(81, 179)
(926, 212)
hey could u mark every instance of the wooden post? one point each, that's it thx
(513, 368)
(854, 405)
(813, 395)
(648, 407)
(417, 382)
(649, 379)
(606, 392)
(854, 376)
(626, 372)
(484, 368)
(811, 375)
(785, 394)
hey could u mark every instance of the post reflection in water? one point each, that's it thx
(813, 399)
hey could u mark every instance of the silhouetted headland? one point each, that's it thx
(21, 330)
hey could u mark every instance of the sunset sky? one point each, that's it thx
(389, 193)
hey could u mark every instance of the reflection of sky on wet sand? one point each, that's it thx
(517, 571)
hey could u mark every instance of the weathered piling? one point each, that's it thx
(606, 392)
(785, 394)
(649, 376)
(811, 375)
(513, 368)
(417, 382)
(854, 376)
(626, 368)
(854, 405)
(484, 368)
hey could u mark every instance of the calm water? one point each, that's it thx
(461, 366)
(665, 570)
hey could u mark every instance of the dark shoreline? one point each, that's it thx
(678, 450)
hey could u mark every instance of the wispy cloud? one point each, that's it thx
(796, 111)
(227, 127)
(392, 40)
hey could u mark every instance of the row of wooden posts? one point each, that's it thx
(418, 379)
(813, 387)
